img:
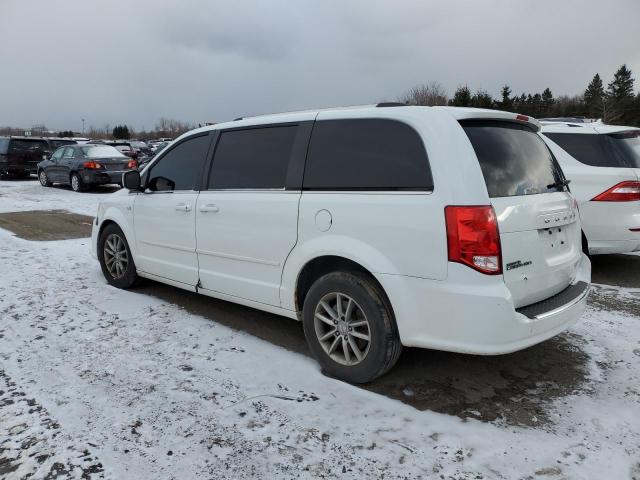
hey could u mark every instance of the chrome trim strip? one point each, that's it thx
(237, 257)
(564, 307)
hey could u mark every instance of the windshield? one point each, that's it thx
(101, 151)
(514, 159)
(618, 150)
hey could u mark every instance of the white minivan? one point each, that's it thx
(603, 164)
(377, 227)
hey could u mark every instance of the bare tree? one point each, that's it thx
(426, 94)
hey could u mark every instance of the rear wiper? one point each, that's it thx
(561, 184)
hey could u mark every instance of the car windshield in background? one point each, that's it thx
(58, 143)
(101, 151)
(620, 150)
(513, 158)
(21, 145)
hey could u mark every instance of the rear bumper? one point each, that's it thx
(471, 314)
(607, 226)
(102, 177)
(18, 167)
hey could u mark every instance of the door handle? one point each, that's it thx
(209, 208)
(183, 207)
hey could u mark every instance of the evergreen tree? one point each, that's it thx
(507, 103)
(620, 98)
(594, 97)
(121, 132)
(482, 99)
(547, 102)
(461, 98)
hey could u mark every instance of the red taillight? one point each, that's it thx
(622, 192)
(473, 238)
(132, 164)
(92, 165)
(522, 118)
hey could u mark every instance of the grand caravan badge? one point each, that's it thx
(518, 264)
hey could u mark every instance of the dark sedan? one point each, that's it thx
(83, 166)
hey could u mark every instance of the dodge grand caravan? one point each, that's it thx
(377, 227)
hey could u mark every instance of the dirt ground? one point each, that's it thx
(485, 388)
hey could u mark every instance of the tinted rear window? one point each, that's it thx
(513, 158)
(366, 154)
(20, 145)
(256, 158)
(621, 150)
(102, 151)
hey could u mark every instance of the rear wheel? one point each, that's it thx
(350, 327)
(115, 258)
(44, 180)
(76, 183)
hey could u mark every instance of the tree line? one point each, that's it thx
(617, 104)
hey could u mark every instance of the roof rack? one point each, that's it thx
(391, 104)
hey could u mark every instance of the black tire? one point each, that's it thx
(384, 346)
(128, 278)
(77, 185)
(585, 245)
(44, 179)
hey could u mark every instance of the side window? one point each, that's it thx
(181, 167)
(57, 154)
(255, 158)
(366, 154)
(69, 152)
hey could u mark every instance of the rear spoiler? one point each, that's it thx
(484, 114)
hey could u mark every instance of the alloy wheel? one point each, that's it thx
(43, 178)
(116, 257)
(342, 328)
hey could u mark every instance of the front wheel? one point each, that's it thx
(350, 327)
(115, 258)
(44, 180)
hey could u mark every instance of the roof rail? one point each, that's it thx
(391, 104)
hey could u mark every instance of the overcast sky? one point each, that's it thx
(134, 61)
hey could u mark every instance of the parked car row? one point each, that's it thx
(19, 156)
(377, 227)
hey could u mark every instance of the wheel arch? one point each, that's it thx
(114, 217)
(323, 264)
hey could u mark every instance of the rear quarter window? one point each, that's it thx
(514, 160)
(366, 154)
(4, 145)
(620, 150)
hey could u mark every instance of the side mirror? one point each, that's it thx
(131, 180)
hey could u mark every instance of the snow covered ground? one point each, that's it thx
(96, 382)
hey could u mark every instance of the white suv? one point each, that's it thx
(603, 164)
(377, 227)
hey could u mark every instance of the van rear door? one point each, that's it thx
(537, 216)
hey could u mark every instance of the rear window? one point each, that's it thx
(103, 151)
(514, 159)
(4, 145)
(366, 154)
(22, 145)
(618, 150)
